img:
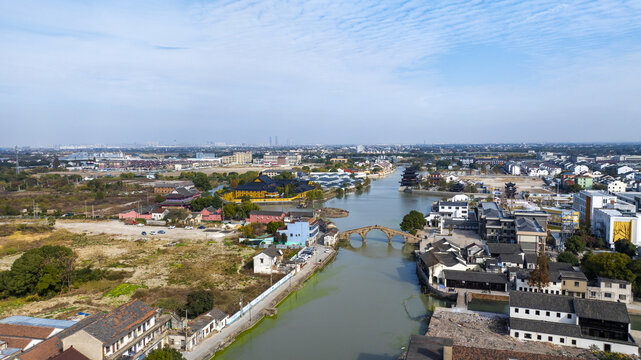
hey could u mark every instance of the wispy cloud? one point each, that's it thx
(272, 65)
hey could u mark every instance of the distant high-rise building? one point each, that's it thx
(276, 141)
(270, 141)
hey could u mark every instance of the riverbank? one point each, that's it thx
(219, 341)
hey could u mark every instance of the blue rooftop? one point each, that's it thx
(34, 321)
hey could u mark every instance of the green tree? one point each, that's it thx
(340, 193)
(51, 221)
(413, 221)
(625, 246)
(540, 277)
(273, 226)
(201, 181)
(159, 198)
(635, 267)
(574, 188)
(568, 257)
(45, 270)
(198, 302)
(575, 244)
(608, 265)
(229, 210)
(100, 195)
(165, 353)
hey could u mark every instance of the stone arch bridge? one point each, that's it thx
(362, 231)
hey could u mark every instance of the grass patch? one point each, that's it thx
(124, 289)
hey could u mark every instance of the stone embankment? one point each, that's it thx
(333, 213)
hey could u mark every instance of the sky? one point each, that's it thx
(319, 72)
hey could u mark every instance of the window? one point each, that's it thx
(527, 311)
(607, 295)
(262, 261)
(573, 342)
(516, 334)
(527, 336)
(538, 337)
(621, 297)
(547, 313)
(562, 340)
(558, 315)
(593, 293)
(516, 310)
(576, 283)
(622, 286)
(537, 312)
(569, 316)
(550, 338)
(607, 285)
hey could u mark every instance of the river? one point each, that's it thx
(364, 305)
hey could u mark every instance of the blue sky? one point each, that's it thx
(319, 71)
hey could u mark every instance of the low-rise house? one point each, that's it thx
(616, 186)
(194, 218)
(130, 331)
(610, 290)
(440, 256)
(571, 321)
(266, 262)
(158, 214)
(266, 216)
(203, 326)
(180, 197)
(452, 209)
(144, 212)
(477, 280)
(211, 214)
(331, 237)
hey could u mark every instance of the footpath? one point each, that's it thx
(206, 349)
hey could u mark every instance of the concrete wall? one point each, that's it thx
(555, 316)
(84, 343)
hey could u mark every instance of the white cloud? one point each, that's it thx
(273, 66)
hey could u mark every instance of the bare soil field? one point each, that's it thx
(119, 230)
(157, 271)
(523, 183)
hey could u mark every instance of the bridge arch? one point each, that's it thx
(389, 233)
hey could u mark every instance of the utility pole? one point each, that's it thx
(85, 209)
(92, 213)
(186, 329)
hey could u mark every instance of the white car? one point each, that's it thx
(189, 228)
(171, 227)
(140, 224)
(152, 233)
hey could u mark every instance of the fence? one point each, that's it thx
(260, 297)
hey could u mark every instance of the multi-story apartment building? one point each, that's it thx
(528, 228)
(587, 200)
(571, 321)
(613, 225)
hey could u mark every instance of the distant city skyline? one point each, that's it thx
(360, 72)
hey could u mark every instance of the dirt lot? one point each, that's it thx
(490, 331)
(523, 183)
(150, 270)
(119, 230)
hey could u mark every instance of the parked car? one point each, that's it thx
(161, 231)
(140, 224)
(144, 233)
(152, 233)
(201, 227)
(171, 227)
(189, 228)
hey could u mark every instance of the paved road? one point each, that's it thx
(206, 348)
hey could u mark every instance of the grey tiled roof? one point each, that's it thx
(531, 300)
(502, 248)
(477, 276)
(120, 321)
(601, 310)
(272, 252)
(545, 327)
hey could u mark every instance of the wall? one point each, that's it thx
(555, 316)
(260, 297)
(85, 343)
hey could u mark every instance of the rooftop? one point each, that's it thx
(120, 321)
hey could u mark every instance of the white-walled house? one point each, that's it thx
(570, 321)
(624, 170)
(616, 186)
(266, 262)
